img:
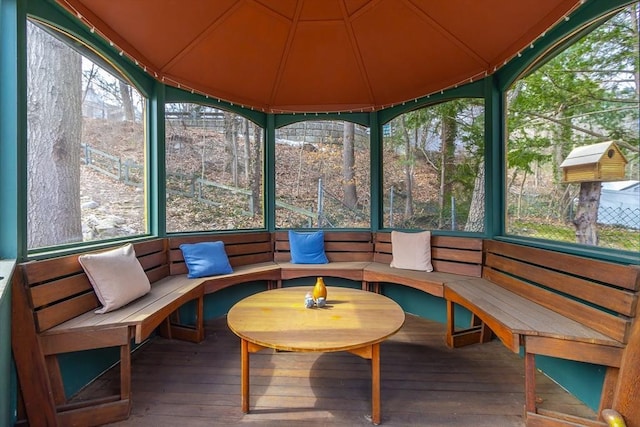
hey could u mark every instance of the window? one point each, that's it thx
(85, 145)
(433, 168)
(322, 175)
(214, 169)
(584, 98)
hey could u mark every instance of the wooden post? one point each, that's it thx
(244, 369)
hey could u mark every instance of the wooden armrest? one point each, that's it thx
(613, 418)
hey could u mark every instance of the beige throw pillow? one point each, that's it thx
(116, 276)
(411, 251)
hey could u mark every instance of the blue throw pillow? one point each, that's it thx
(307, 248)
(205, 259)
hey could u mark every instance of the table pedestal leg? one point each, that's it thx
(375, 384)
(244, 381)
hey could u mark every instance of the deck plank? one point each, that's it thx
(423, 383)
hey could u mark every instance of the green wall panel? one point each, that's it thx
(583, 380)
(219, 303)
(7, 373)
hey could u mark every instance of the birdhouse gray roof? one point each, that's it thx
(588, 154)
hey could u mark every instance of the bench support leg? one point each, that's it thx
(530, 382)
(479, 332)
(608, 389)
(172, 328)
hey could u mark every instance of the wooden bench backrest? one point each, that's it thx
(338, 245)
(241, 248)
(449, 254)
(599, 294)
(58, 288)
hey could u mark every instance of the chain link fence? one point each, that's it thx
(543, 217)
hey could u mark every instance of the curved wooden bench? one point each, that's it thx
(250, 255)
(453, 258)
(53, 306)
(348, 252)
(553, 304)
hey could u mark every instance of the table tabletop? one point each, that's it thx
(351, 319)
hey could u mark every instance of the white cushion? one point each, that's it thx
(411, 251)
(116, 276)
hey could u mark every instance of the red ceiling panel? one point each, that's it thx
(319, 55)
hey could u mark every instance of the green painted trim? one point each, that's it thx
(7, 376)
(583, 380)
(469, 90)
(494, 156)
(156, 166)
(287, 119)
(173, 94)
(13, 131)
(375, 172)
(605, 254)
(270, 173)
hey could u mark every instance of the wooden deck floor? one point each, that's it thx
(423, 383)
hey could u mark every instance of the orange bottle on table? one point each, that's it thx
(319, 290)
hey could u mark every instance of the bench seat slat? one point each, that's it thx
(84, 340)
(174, 242)
(163, 293)
(457, 255)
(618, 300)
(579, 351)
(153, 260)
(36, 272)
(432, 283)
(149, 247)
(458, 268)
(352, 270)
(467, 243)
(519, 314)
(49, 317)
(611, 325)
(613, 274)
(268, 271)
(57, 290)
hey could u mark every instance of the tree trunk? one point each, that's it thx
(256, 171)
(247, 150)
(408, 171)
(54, 125)
(586, 217)
(475, 220)
(563, 141)
(231, 149)
(350, 197)
(127, 101)
(447, 139)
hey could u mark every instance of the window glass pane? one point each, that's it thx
(322, 175)
(433, 168)
(572, 142)
(214, 169)
(85, 136)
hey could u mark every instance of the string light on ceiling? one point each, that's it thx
(169, 80)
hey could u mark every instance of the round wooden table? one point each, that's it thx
(352, 320)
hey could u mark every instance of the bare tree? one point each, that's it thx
(447, 148)
(350, 197)
(127, 101)
(231, 148)
(475, 220)
(586, 217)
(54, 82)
(256, 170)
(408, 170)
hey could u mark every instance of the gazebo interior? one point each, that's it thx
(132, 121)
